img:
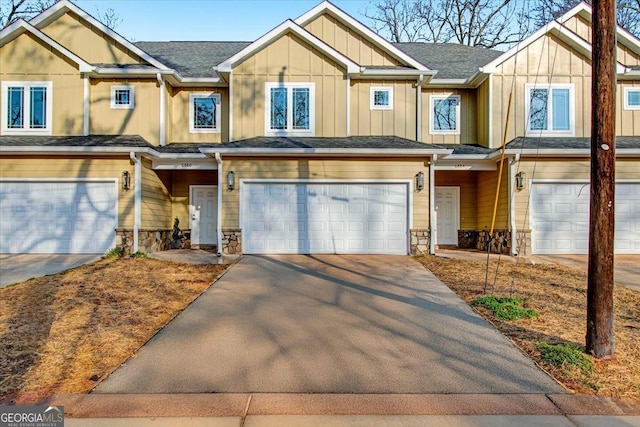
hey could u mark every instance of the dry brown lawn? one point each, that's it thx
(558, 294)
(65, 332)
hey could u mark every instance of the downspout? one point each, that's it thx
(85, 113)
(419, 108)
(348, 105)
(137, 198)
(490, 116)
(432, 202)
(162, 131)
(512, 204)
(219, 214)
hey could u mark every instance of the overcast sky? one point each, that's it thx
(239, 20)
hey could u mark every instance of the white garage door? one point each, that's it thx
(325, 218)
(57, 217)
(560, 218)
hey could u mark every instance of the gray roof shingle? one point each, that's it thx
(192, 59)
(560, 143)
(453, 61)
(133, 141)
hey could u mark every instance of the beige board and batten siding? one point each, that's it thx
(88, 42)
(486, 184)
(288, 59)
(178, 116)
(349, 42)
(180, 183)
(143, 119)
(325, 169)
(467, 119)
(466, 181)
(483, 113)
(55, 167)
(27, 58)
(156, 204)
(627, 121)
(561, 170)
(547, 60)
(398, 121)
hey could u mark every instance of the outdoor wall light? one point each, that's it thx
(420, 181)
(231, 180)
(126, 180)
(520, 181)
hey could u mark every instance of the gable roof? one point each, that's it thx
(63, 6)
(286, 27)
(333, 10)
(453, 61)
(20, 26)
(559, 30)
(193, 58)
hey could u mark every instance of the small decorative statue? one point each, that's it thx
(177, 238)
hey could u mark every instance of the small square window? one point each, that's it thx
(632, 98)
(122, 97)
(382, 98)
(204, 113)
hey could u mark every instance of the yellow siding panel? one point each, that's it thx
(288, 59)
(400, 121)
(486, 196)
(143, 119)
(76, 167)
(627, 121)
(88, 42)
(156, 200)
(349, 42)
(251, 168)
(178, 122)
(468, 128)
(28, 59)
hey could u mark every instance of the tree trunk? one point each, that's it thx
(599, 339)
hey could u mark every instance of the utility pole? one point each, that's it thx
(599, 339)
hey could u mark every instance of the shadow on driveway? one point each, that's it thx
(329, 324)
(16, 268)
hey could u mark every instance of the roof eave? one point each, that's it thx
(73, 150)
(332, 152)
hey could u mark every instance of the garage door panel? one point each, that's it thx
(560, 218)
(331, 218)
(57, 217)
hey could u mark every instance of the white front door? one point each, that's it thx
(447, 204)
(203, 211)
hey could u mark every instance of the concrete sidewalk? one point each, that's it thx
(453, 410)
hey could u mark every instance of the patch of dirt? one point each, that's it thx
(559, 295)
(66, 332)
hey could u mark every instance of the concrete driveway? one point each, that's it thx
(626, 267)
(16, 268)
(329, 324)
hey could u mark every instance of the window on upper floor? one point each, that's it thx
(382, 98)
(122, 97)
(549, 109)
(632, 98)
(445, 114)
(204, 113)
(26, 108)
(290, 109)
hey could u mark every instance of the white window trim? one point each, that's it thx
(572, 109)
(432, 100)
(130, 105)
(312, 110)
(216, 98)
(375, 89)
(4, 106)
(627, 90)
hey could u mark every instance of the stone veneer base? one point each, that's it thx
(150, 240)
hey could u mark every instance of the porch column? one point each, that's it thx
(432, 202)
(221, 184)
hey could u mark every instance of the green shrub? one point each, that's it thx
(506, 308)
(114, 253)
(139, 254)
(565, 355)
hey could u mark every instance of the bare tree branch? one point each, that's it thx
(12, 10)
